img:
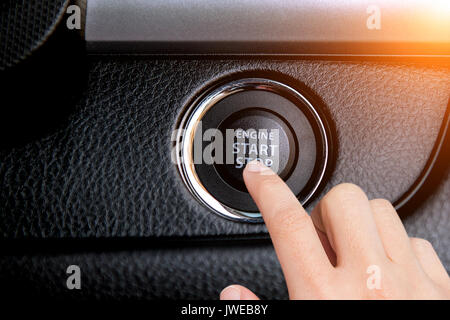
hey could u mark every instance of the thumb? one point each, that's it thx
(237, 292)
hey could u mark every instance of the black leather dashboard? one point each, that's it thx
(108, 173)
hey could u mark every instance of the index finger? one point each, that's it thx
(297, 244)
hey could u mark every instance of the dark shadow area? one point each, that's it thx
(40, 93)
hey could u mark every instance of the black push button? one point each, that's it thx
(257, 134)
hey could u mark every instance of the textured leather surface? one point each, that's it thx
(25, 25)
(199, 272)
(106, 171)
(180, 270)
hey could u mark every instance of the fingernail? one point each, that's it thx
(230, 293)
(257, 166)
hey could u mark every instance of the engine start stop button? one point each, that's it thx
(256, 134)
(237, 122)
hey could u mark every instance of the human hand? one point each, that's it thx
(349, 248)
